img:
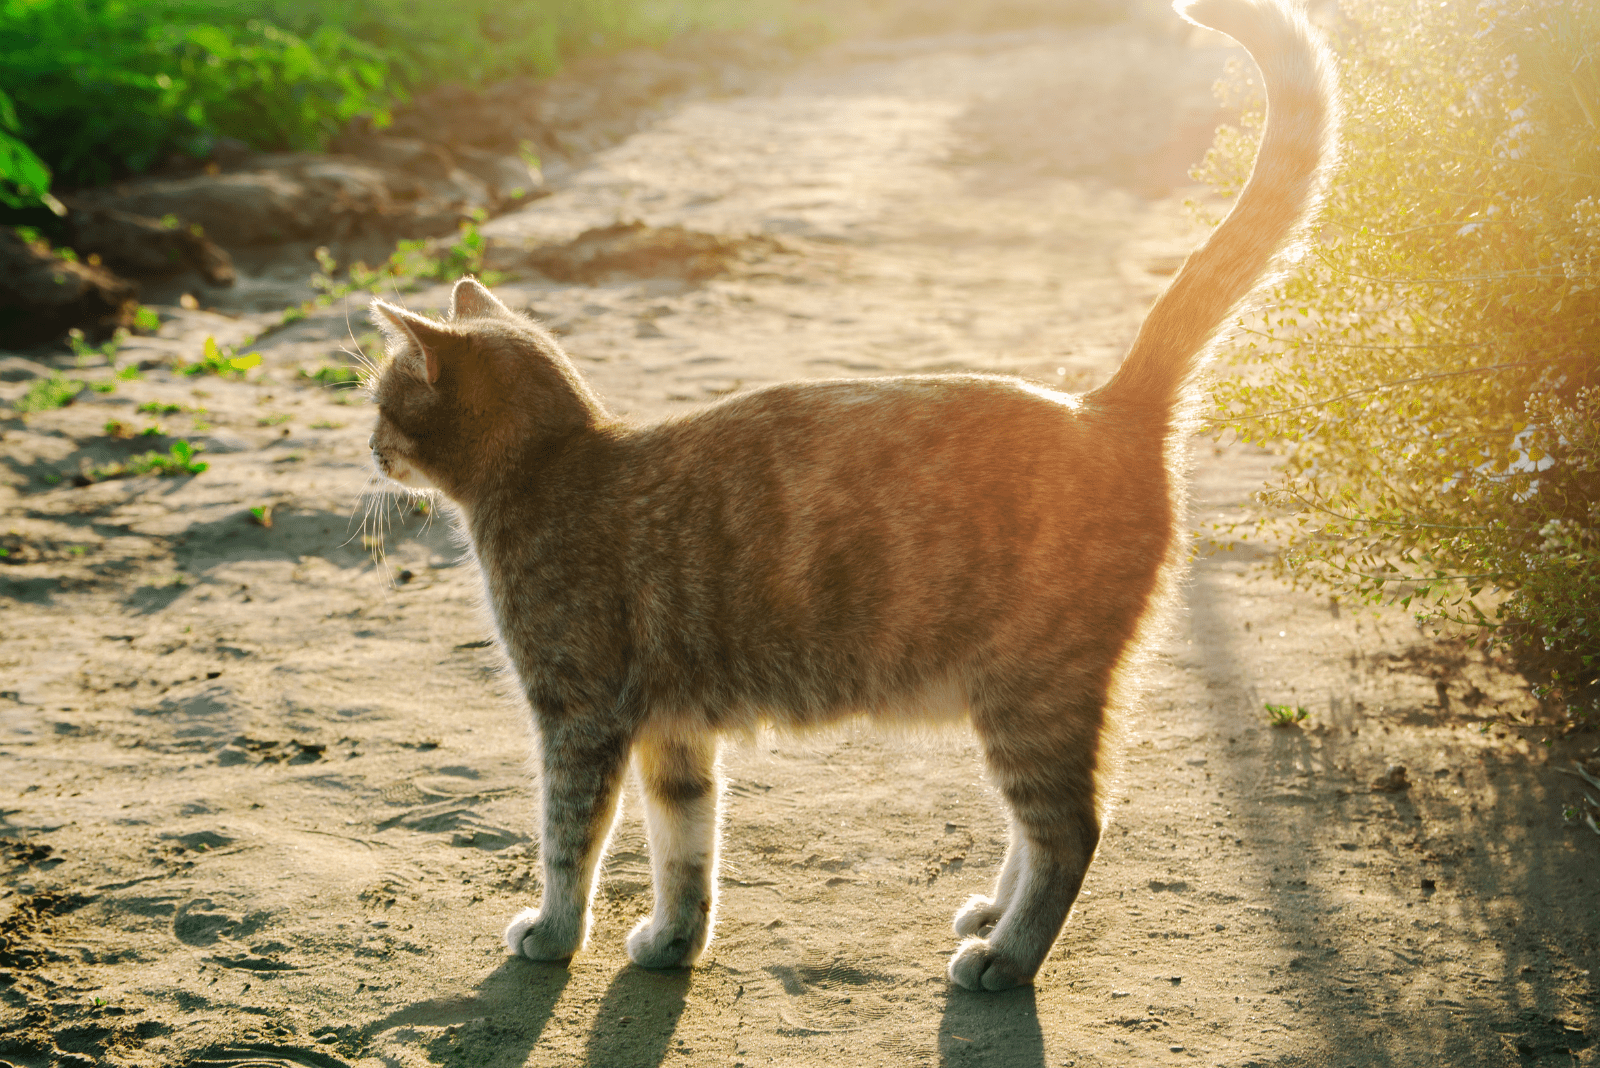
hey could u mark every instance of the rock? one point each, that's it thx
(143, 246)
(509, 178)
(1394, 780)
(418, 192)
(636, 250)
(17, 369)
(256, 208)
(42, 296)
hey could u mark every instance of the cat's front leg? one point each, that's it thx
(681, 793)
(581, 767)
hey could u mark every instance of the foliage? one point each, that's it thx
(47, 394)
(214, 361)
(102, 87)
(334, 376)
(179, 459)
(24, 178)
(1286, 715)
(1431, 367)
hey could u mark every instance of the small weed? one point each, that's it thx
(214, 361)
(103, 387)
(261, 515)
(333, 375)
(47, 394)
(77, 550)
(116, 428)
(273, 420)
(130, 373)
(179, 459)
(146, 320)
(83, 350)
(326, 424)
(1286, 715)
(157, 408)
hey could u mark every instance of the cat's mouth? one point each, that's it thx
(401, 472)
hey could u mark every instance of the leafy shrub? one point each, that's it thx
(1431, 370)
(103, 87)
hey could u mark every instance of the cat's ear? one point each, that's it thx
(426, 334)
(471, 300)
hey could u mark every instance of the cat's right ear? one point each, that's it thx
(421, 331)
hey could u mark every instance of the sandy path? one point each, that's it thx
(264, 804)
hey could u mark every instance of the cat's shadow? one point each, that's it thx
(637, 1018)
(992, 1030)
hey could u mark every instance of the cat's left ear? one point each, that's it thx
(471, 300)
(426, 334)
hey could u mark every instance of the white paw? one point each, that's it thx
(977, 966)
(979, 912)
(542, 939)
(666, 946)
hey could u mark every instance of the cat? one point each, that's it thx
(894, 547)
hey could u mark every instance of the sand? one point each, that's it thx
(265, 801)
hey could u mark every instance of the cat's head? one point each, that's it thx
(462, 401)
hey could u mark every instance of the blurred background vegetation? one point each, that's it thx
(1431, 368)
(97, 89)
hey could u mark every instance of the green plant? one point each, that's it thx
(1431, 367)
(81, 347)
(101, 87)
(214, 361)
(333, 376)
(146, 320)
(130, 373)
(24, 178)
(1286, 715)
(47, 394)
(159, 408)
(179, 459)
(103, 387)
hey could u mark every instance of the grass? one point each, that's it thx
(48, 394)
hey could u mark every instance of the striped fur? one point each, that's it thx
(913, 547)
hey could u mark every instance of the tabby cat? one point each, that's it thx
(894, 547)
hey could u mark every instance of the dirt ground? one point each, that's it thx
(264, 801)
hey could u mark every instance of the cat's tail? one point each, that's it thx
(1296, 151)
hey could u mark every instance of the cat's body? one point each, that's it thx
(904, 548)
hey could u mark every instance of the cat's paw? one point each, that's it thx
(666, 946)
(538, 938)
(979, 912)
(977, 966)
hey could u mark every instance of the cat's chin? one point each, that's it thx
(405, 476)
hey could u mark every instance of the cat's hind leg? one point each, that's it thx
(1044, 761)
(681, 796)
(580, 782)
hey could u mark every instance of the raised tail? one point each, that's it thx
(1296, 149)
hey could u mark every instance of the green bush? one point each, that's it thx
(103, 87)
(1430, 367)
